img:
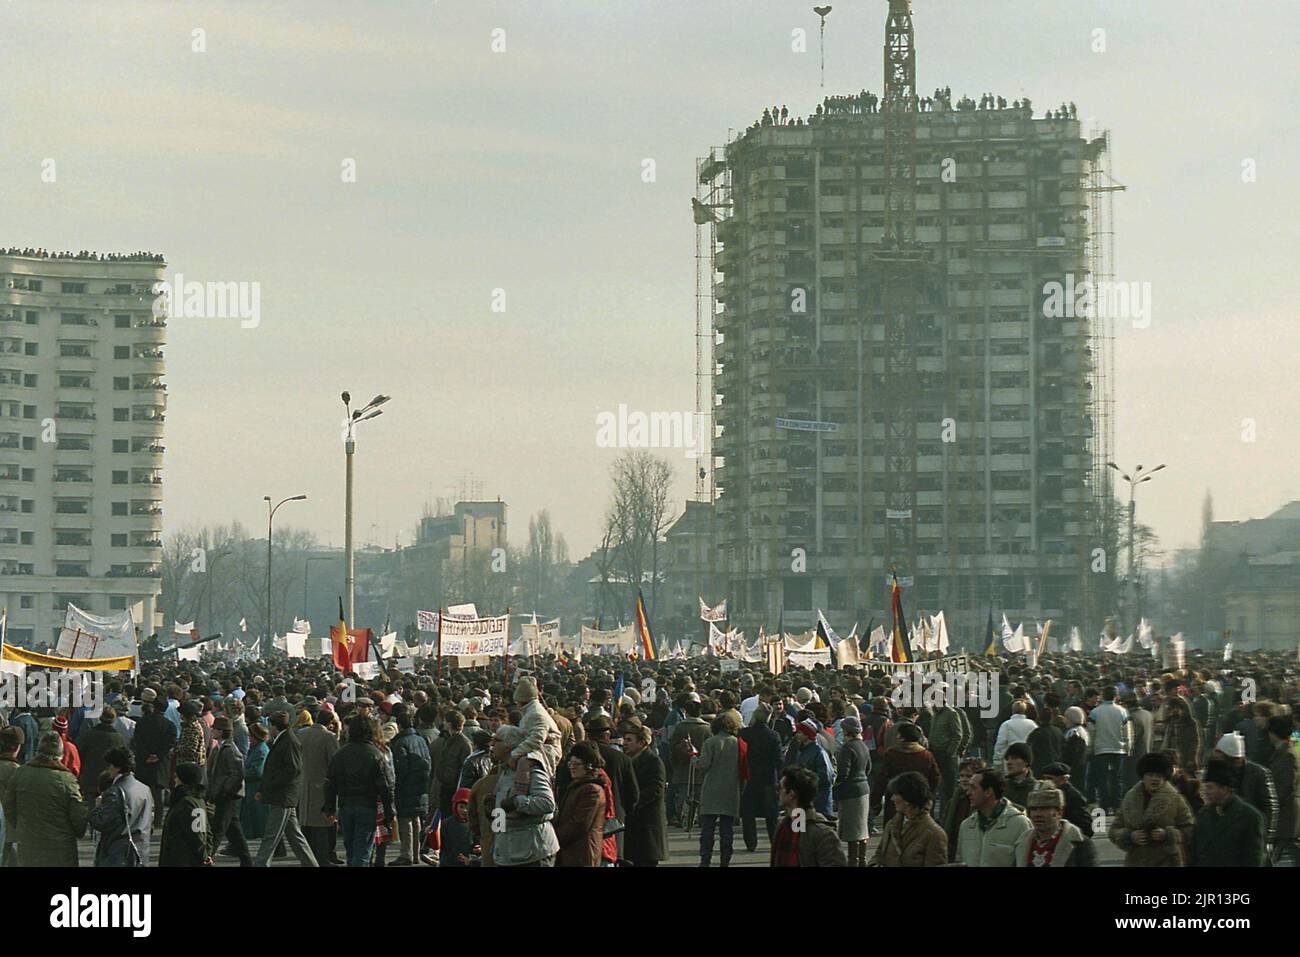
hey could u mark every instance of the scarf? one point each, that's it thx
(987, 822)
(1041, 854)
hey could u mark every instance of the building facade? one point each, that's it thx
(1007, 487)
(82, 406)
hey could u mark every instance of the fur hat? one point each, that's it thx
(1154, 762)
(50, 745)
(1232, 744)
(1045, 795)
(526, 690)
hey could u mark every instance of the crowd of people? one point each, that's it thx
(84, 255)
(542, 762)
(940, 101)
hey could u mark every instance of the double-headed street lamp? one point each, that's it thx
(369, 411)
(270, 516)
(1137, 478)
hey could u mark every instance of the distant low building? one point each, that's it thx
(1261, 598)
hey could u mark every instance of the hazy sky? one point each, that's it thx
(521, 170)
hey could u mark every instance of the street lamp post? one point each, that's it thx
(212, 578)
(368, 411)
(270, 517)
(1137, 478)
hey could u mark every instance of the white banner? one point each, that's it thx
(90, 636)
(182, 629)
(366, 670)
(188, 654)
(807, 659)
(426, 620)
(624, 639)
(717, 613)
(406, 665)
(475, 636)
(301, 626)
(295, 645)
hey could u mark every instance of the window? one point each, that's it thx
(798, 594)
(73, 287)
(29, 381)
(32, 318)
(29, 412)
(119, 508)
(121, 352)
(29, 443)
(29, 475)
(27, 538)
(121, 322)
(118, 541)
(121, 383)
(28, 504)
(121, 445)
(117, 602)
(26, 601)
(121, 415)
(119, 478)
(29, 349)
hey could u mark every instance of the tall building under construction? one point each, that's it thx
(889, 394)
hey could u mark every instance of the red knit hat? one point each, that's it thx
(808, 729)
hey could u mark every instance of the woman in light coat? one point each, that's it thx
(912, 837)
(720, 765)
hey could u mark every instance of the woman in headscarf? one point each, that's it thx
(852, 791)
(580, 823)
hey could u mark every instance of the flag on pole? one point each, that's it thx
(339, 644)
(990, 645)
(643, 629)
(901, 648)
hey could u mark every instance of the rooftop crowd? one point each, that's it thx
(84, 255)
(543, 766)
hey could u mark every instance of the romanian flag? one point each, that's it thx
(350, 646)
(990, 643)
(900, 649)
(643, 629)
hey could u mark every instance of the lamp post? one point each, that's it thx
(1137, 478)
(270, 517)
(369, 411)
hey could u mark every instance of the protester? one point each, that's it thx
(1052, 841)
(45, 815)
(525, 795)
(252, 813)
(413, 773)
(187, 838)
(645, 841)
(1228, 831)
(1111, 743)
(580, 822)
(11, 744)
(279, 792)
(319, 745)
(1284, 765)
(97, 740)
(804, 838)
(358, 781)
(1154, 823)
(911, 838)
(123, 815)
(758, 794)
(852, 791)
(988, 837)
(722, 764)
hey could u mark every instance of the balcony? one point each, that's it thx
(77, 414)
(151, 509)
(72, 475)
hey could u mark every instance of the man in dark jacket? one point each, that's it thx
(280, 790)
(449, 754)
(758, 795)
(225, 785)
(1284, 765)
(1229, 832)
(123, 815)
(1076, 805)
(359, 780)
(187, 839)
(1253, 784)
(413, 775)
(152, 743)
(645, 843)
(98, 739)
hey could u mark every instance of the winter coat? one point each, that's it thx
(1285, 768)
(528, 836)
(1073, 850)
(622, 778)
(1143, 731)
(448, 755)
(1014, 730)
(96, 741)
(482, 798)
(908, 756)
(193, 749)
(225, 772)
(252, 812)
(813, 756)
(950, 731)
(541, 735)
(1227, 836)
(319, 745)
(1184, 738)
(49, 816)
(916, 843)
(1046, 742)
(124, 819)
(187, 839)
(646, 836)
(994, 846)
(698, 730)
(763, 755)
(1255, 787)
(1016, 790)
(580, 824)
(853, 771)
(413, 771)
(282, 772)
(819, 845)
(154, 736)
(1074, 750)
(719, 763)
(1139, 811)
(359, 775)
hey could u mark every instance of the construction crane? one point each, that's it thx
(900, 269)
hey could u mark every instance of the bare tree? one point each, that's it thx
(637, 518)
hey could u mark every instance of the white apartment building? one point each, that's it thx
(82, 404)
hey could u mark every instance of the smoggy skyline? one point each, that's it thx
(522, 171)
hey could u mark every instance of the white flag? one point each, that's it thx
(182, 629)
(301, 626)
(941, 634)
(1076, 642)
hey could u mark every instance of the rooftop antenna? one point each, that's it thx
(821, 12)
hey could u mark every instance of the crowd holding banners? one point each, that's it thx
(1191, 767)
